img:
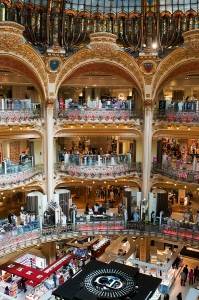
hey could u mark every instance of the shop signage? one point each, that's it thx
(109, 283)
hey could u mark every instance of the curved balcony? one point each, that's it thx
(17, 175)
(23, 237)
(104, 115)
(178, 112)
(183, 175)
(12, 115)
(99, 166)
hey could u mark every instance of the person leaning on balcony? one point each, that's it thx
(164, 160)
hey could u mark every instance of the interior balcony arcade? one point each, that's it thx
(99, 92)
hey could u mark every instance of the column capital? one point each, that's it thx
(148, 103)
(50, 102)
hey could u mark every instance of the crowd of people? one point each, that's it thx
(106, 102)
(14, 222)
(179, 156)
(84, 148)
(89, 155)
(190, 275)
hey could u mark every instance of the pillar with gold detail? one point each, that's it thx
(144, 254)
(147, 146)
(49, 149)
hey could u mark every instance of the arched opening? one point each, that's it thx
(176, 142)
(106, 90)
(17, 73)
(102, 199)
(177, 200)
(21, 98)
(178, 92)
(12, 201)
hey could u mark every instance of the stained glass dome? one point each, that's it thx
(137, 23)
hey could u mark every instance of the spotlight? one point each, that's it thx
(154, 45)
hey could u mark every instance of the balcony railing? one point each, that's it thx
(27, 236)
(103, 115)
(17, 114)
(8, 167)
(178, 112)
(18, 175)
(176, 174)
(99, 166)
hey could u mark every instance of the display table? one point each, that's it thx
(40, 293)
(99, 248)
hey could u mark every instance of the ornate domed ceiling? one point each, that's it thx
(138, 24)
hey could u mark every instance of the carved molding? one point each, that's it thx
(14, 46)
(178, 61)
(191, 39)
(112, 56)
(103, 41)
(148, 103)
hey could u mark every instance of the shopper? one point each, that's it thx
(183, 278)
(191, 275)
(23, 285)
(196, 273)
(186, 271)
(61, 280)
(179, 296)
(55, 279)
(6, 291)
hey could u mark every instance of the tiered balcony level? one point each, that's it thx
(183, 174)
(99, 166)
(113, 113)
(18, 112)
(181, 112)
(14, 175)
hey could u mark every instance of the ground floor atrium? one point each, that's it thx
(104, 266)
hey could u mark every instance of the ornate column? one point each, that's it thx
(147, 147)
(49, 150)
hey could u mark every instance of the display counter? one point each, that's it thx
(98, 248)
(7, 280)
(39, 293)
(165, 271)
(98, 218)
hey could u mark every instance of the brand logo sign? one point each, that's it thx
(109, 282)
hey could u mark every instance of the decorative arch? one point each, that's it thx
(110, 56)
(18, 55)
(60, 182)
(180, 61)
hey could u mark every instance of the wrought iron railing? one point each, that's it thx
(20, 177)
(102, 115)
(10, 242)
(23, 116)
(9, 167)
(176, 174)
(171, 115)
(98, 166)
